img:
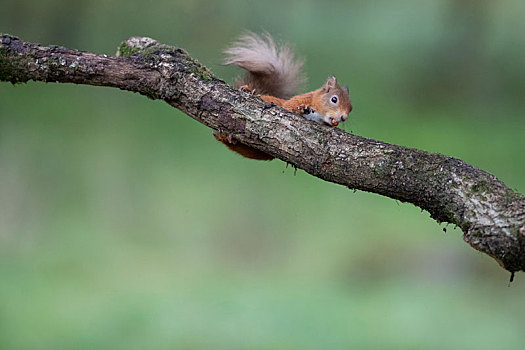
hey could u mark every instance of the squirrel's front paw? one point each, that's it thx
(305, 109)
(222, 137)
(247, 89)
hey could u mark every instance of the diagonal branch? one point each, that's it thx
(491, 215)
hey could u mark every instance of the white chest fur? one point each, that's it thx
(314, 116)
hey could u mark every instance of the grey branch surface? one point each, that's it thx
(491, 215)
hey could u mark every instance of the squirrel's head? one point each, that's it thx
(336, 104)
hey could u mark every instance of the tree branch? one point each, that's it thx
(491, 215)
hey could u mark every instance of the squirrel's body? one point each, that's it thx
(272, 72)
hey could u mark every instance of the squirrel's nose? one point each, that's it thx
(344, 117)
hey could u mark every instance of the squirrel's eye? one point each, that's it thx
(334, 99)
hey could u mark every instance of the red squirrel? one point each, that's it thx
(274, 74)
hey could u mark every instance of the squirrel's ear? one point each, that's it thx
(346, 89)
(330, 83)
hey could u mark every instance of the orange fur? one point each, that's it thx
(242, 149)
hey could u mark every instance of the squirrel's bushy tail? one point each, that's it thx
(271, 69)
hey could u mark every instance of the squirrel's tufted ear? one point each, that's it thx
(330, 83)
(346, 89)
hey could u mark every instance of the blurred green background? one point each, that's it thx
(125, 225)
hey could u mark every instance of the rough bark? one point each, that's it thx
(491, 215)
